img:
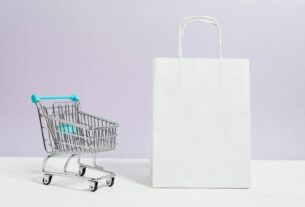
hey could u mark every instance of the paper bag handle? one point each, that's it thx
(193, 19)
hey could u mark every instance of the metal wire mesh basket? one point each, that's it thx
(67, 130)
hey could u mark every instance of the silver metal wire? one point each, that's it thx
(66, 129)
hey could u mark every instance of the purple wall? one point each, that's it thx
(102, 50)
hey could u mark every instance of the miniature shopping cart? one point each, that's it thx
(67, 130)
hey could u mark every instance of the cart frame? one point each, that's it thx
(66, 130)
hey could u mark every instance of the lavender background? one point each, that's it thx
(102, 50)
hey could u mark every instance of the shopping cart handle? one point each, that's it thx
(36, 98)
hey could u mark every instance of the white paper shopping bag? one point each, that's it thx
(201, 120)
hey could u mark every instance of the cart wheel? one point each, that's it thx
(81, 171)
(110, 182)
(47, 179)
(93, 185)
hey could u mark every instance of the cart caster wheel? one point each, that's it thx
(93, 186)
(110, 182)
(81, 171)
(47, 179)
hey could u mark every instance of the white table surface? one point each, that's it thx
(274, 183)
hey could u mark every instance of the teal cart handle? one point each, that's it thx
(36, 98)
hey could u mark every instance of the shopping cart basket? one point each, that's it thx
(67, 130)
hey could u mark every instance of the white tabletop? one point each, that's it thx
(274, 183)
